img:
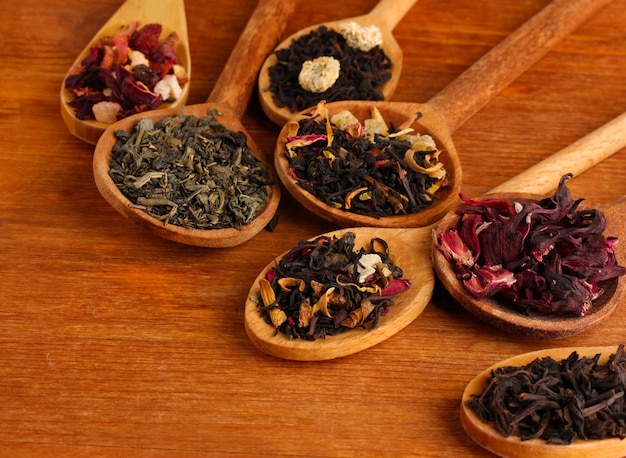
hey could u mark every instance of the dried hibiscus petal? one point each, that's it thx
(547, 257)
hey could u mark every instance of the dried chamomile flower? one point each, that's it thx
(319, 74)
(361, 37)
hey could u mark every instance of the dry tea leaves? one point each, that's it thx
(324, 287)
(366, 168)
(129, 73)
(550, 256)
(558, 401)
(191, 172)
(361, 72)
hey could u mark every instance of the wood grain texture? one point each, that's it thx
(115, 342)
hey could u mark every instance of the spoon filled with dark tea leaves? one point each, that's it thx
(355, 58)
(515, 407)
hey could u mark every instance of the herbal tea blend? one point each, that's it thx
(558, 401)
(130, 73)
(368, 168)
(330, 65)
(548, 256)
(325, 287)
(191, 172)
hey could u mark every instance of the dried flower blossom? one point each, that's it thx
(547, 256)
(123, 74)
(324, 287)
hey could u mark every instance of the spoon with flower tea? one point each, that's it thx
(516, 410)
(366, 40)
(568, 278)
(326, 159)
(124, 40)
(199, 203)
(410, 249)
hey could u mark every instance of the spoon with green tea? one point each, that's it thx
(170, 14)
(439, 118)
(532, 185)
(230, 96)
(385, 16)
(488, 437)
(413, 250)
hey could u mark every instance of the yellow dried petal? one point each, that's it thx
(288, 283)
(358, 316)
(351, 195)
(277, 316)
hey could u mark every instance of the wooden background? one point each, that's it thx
(117, 343)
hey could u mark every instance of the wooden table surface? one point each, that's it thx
(116, 343)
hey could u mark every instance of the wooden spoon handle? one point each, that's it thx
(465, 96)
(387, 13)
(575, 158)
(265, 27)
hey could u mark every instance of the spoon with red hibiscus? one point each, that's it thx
(411, 250)
(544, 267)
(147, 36)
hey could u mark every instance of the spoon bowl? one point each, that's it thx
(171, 15)
(385, 15)
(489, 438)
(230, 96)
(532, 185)
(506, 317)
(411, 249)
(424, 120)
(443, 114)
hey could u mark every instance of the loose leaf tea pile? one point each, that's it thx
(191, 172)
(130, 73)
(369, 169)
(549, 256)
(325, 287)
(362, 72)
(558, 401)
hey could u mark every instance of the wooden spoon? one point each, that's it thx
(416, 262)
(539, 180)
(512, 447)
(230, 95)
(448, 110)
(171, 15)
(385, 15)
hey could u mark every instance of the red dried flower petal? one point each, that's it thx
(396, 286)
(556, 252)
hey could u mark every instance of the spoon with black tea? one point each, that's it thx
(385, 15)
(531, 186)
(230, 96)
(486, 435)
(170, 14)
(413, 249)
(441, 115)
